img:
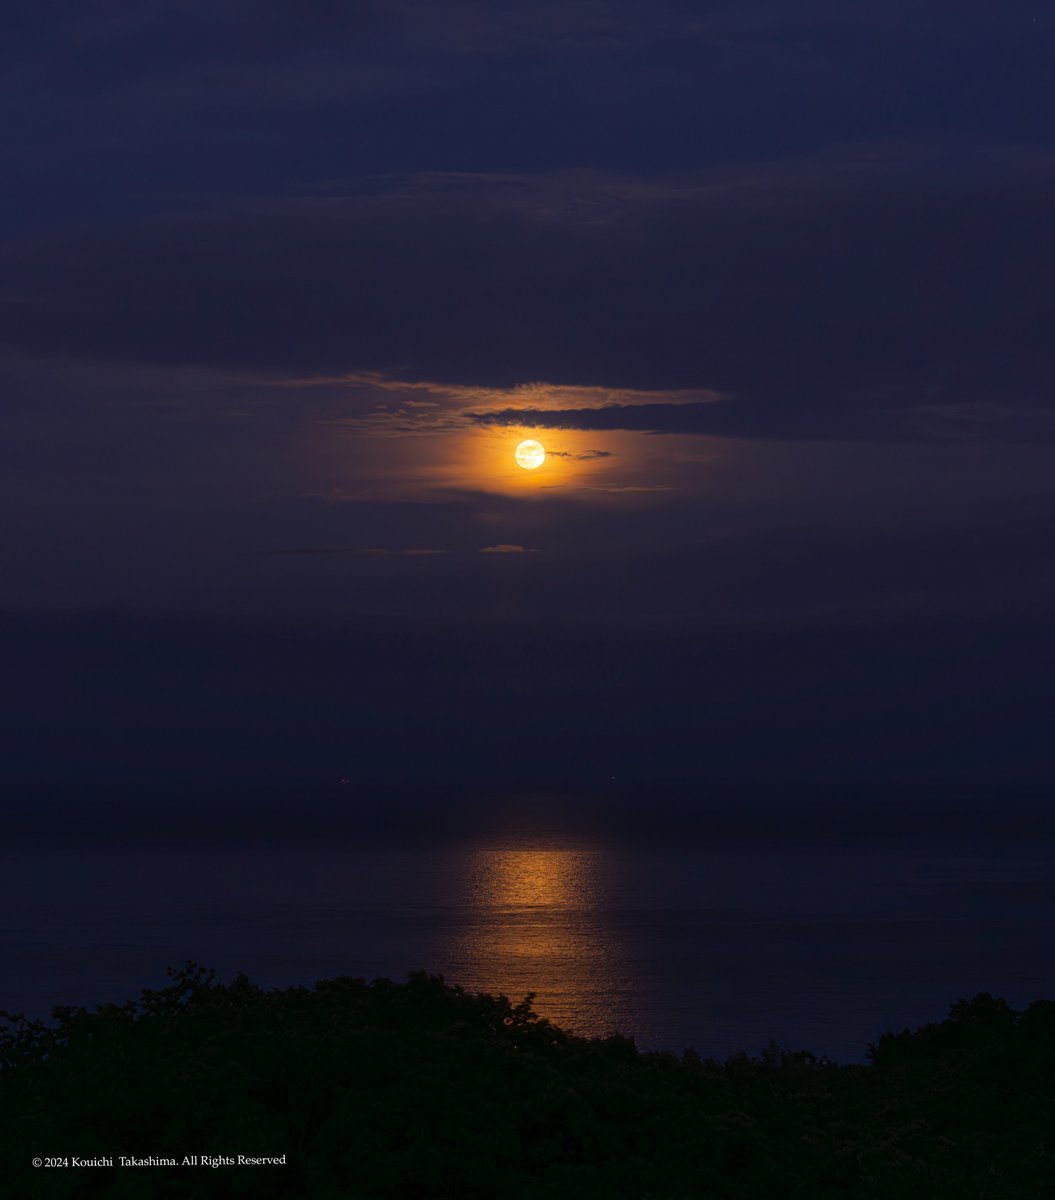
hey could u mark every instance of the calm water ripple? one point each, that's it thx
(708, 947)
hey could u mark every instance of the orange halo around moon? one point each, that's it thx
(530, 455)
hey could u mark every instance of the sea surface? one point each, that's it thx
(716, 946)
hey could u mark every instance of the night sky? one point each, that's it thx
(282, 286)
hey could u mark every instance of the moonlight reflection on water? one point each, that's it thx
(535, 922)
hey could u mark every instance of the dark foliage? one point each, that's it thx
(418, 1090)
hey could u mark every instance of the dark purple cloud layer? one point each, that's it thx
(834, 216)
(834, 296)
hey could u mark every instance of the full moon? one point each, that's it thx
(530, 455)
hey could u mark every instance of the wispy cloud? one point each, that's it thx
(907, 415)
(373, 403)
(507, 548)
(658, 417)
(618, 489)
(361, 551)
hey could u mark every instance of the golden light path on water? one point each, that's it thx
(534, 921)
